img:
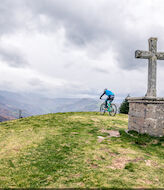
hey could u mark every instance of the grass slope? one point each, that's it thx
(62, 150)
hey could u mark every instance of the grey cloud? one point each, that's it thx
(12, 16)
(100, 23)
(99, 70)
(89, 22)
(12, 57)
(80, 19)
(73, 90)
(36, 82)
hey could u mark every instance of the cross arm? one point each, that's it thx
(142, 54)
(160, 55)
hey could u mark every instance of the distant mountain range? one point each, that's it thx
(32, 104)
(3, 119)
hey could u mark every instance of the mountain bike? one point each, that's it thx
(111, 109)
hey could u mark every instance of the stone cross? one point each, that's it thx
(152, 55)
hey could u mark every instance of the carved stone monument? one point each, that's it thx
(146, 114)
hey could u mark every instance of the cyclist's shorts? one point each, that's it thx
(111, 98)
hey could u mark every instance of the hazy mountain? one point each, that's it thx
(32, 104)
(3, 119)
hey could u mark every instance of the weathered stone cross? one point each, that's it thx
(152, 55)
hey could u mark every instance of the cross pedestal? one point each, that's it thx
(146, 114)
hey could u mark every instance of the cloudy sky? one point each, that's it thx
(76, 48)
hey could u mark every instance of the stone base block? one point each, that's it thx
(146, 115)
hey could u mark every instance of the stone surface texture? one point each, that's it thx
(152, 55)
(146, 115)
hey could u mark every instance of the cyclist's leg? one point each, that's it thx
(106, 102)
(111, 98)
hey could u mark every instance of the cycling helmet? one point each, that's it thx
(105, 89)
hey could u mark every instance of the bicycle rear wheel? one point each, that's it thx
(102, 109)
(113, 110)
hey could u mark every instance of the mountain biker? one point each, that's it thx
(110, 97)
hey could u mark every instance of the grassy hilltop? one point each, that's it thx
(63, 150)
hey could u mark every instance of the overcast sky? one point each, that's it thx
(76, 48)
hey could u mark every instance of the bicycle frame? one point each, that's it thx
(109, 107)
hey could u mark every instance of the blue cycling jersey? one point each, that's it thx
(109, 93)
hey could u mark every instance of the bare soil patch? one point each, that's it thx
(119, 163)
(111, 133)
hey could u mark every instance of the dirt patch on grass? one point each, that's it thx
(100, 139)
(144, 181)
(119, 163)
(151, 163)
(112, 133)
(126, 151)
(94, 166)
(155, 141)
(138, 159)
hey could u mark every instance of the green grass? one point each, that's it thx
(62, 151)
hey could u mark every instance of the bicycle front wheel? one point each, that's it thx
(113, 110)
(102, 109)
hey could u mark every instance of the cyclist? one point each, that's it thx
(110, 97)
